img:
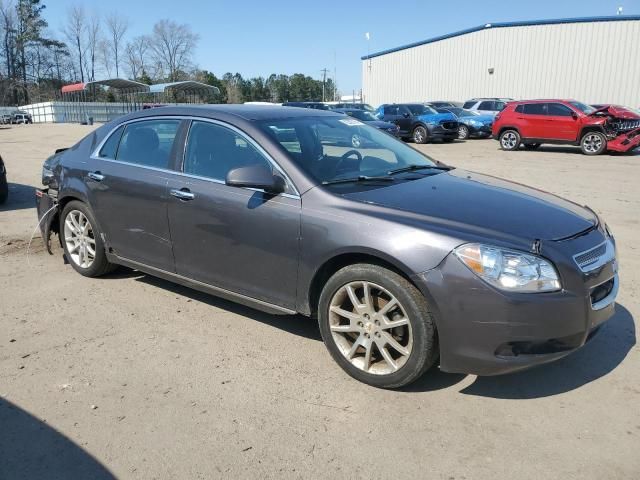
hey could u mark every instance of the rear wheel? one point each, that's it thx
(463, 132)
(82, 242)
(377, 326)
(420, 134)
(510, 140)
(593, 143)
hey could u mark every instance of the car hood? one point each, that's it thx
(437, 117)
(381, 124)
(458, 198)
(478, 118)
(617, 112)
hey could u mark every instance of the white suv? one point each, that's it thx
(487, 106)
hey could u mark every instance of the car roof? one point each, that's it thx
(245, 112)
(543, 100)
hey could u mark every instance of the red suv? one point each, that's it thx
(568, 122)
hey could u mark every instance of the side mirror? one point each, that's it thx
(256, 176)
(574, 115)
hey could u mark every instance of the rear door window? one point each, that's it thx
(487, 105)
(468, 105)
(148, 143)
(535, 109)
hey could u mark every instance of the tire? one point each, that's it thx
(463, 132)
(531, 146)
(593, 143)
(4, 188)
(92, 267)
(414, 334)
(510, 140)
(420, 134)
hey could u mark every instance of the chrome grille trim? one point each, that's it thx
(595, 257)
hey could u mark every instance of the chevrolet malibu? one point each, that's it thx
(406, 262)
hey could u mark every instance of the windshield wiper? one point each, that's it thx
(411, 168)
(360, 178)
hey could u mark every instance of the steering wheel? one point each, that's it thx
(340, 166)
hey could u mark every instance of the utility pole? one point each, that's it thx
(324, 80)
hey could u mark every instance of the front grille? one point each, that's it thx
(590, 256)
(450, 125)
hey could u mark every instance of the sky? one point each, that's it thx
(258, 37)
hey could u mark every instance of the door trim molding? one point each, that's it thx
(202, 287)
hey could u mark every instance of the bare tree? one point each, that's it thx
(104, 49)
(136, 51)
(117, 27)
(8, 30)
(93, 40)
(74, 31)
(172, 45)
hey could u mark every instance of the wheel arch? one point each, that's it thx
(507, 127)
(344, 259)
(591, 128)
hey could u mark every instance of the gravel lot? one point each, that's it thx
(133, 377)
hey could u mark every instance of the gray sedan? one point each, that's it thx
(407, 263)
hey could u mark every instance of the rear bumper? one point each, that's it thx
(625, 142)
(485, 331)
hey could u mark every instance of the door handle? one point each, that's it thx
(183, 194)
(97, 176)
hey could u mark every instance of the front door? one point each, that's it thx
(127, 182)
(243, 240)
(562, 122)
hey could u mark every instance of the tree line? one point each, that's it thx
(35, 61)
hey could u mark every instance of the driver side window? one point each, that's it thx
(213, 150)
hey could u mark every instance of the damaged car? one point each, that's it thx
(407, 263)
(567, 122)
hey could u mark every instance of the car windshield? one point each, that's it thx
(421, 109)
(362, 115)
(333, 148)
(586, 109)
(459, 112)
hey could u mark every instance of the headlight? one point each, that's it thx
(508, 269)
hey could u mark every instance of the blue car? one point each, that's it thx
(370, 119)
(472, 124)
(420, 122)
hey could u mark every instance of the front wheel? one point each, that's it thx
(82, 242)
(593, 143)
(377, 326)
(420, 135)
(463, 132)
(510, 140)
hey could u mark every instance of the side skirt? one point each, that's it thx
(202, 287)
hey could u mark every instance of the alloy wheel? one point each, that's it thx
(592, 143)
(463, 132)
(79, 239)
(370, 328)
(509, 141)
(418, 135)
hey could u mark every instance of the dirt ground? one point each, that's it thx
(129, 376)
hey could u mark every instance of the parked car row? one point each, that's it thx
(18, 117)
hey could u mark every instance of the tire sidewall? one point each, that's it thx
(424, 350)
(602, 148)
(100, 262)
(517, 140)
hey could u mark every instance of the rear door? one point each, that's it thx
(127, 182)
(562, 122)
(533, 120)
(239, 239)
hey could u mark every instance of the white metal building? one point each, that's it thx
(595, 60)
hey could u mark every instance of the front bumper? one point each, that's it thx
(625, 142)
(482, 131)
(485, 331)
(439, 132)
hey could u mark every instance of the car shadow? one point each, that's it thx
(595, 360)
(32, 449)
(20, 197)
(295, 324)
